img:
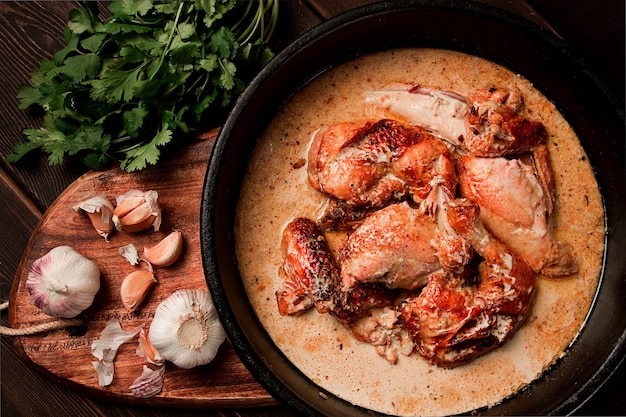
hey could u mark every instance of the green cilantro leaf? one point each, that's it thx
(20, 150)
(148, 154)
(93, 43)
(70, 47)
(116, 85)
(139, 7)
(133, 120)
(177, 63)
(227, 76)
(28, 96)
(186, 30)
(223, 42)
(82, 20)
(80, 67)
(55, 144)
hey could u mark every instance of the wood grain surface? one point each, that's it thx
(32, 31)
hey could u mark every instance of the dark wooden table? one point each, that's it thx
(32, 31)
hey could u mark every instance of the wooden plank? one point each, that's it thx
(329, 8)
(64, 357)
(26, 40)
(21, 217)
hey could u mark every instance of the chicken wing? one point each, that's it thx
(488, 123)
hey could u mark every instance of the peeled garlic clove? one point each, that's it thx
(186, 330)
(136, 211)
(137, 219)
(100, 212)
(63, 282)
(128, 202)
(135, 287)
(167, 251)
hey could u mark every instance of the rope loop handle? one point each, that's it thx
(38, 328)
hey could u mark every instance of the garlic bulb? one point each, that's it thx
(63, 282)
(186, 330)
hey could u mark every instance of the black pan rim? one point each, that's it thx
(258, 365)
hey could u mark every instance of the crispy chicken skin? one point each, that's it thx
(495, 127)
(487, 123)
(393, 247)
(373, 163)
(458, 317)
(516, 209)
(310, 277)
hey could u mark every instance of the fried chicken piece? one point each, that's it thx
(488, 123)
(392, 246)
(458, 317)
(373, 163)
(516, 209)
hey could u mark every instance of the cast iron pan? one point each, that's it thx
(463, 26)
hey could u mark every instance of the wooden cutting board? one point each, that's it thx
(66, 357)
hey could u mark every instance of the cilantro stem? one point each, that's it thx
(273, 20)
(170, 38)
(258, 20)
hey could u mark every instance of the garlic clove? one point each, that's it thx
(136, 211)
(128, 204)
(167, 251)
(63, 282)
(147, 350)
(186, 329)
(100, 212)
(137, 220)
(135, 287)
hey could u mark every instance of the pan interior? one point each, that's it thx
(524, 49)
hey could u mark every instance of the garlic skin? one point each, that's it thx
(186, 329)
(129, 252)
(136, 211)
(104, 349)
(63, 282)
(100, 212)
(149, 383)
(167, 251)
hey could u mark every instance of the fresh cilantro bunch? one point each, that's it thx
(124, 87)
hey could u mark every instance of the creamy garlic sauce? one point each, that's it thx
(276, 190)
